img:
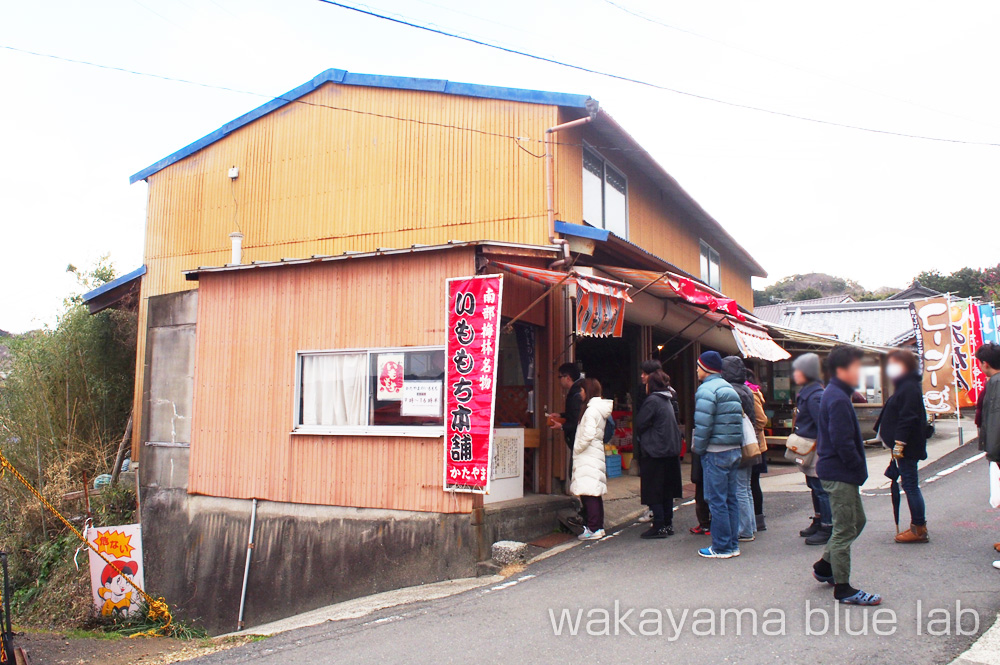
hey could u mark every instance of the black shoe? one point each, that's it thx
(813, 528)
(821, 536)
(658, 532)
(761, 526)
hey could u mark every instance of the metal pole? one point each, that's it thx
(7, 624)
(700, 335)
(684, 329)
(246, 568)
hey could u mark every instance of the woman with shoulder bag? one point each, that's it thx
(801, 445)
(735, 372)
(660, 468)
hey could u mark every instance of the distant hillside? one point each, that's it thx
(816, 285)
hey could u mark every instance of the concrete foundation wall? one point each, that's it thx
(304, 557)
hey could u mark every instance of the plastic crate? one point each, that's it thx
(613, 465)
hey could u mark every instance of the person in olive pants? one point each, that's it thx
(849, 520)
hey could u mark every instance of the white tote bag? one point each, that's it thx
(994, 485)
(749, 432)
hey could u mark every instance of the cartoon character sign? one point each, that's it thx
(113, 595)
(120, 599)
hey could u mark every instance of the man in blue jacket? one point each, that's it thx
(842, 467)
(718, 439)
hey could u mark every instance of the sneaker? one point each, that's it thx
(658, 532)
(646, 516)
(811, 529)
(591, 535)
(821, 536)
(747, 539)
(996, 564)
(710, 553)
(702, 531)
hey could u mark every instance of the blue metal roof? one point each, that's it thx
(342, 77)
(115, 283)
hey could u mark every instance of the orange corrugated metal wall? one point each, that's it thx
(653, 223)
(250, 325)
(319, 181)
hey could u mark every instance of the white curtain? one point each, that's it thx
(335, 389)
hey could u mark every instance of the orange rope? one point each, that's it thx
(158, 610)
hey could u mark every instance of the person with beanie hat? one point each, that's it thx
(718, 439)
(806, 374)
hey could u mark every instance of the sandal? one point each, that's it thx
(823, 579)
(862, 598)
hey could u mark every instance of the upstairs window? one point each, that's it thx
(710, 270)
(605, 195)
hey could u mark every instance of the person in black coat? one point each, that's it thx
(903, 426)
(660, 446)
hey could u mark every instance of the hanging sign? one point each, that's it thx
(113, 596)
(472, 348)
(932, 323)
(965, 333)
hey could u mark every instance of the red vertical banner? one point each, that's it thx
(470, 380)
(967, 336)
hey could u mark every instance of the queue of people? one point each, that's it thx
(729, 418)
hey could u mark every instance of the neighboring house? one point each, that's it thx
(885, 323)
(354, 198)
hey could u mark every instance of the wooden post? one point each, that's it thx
(120, 457)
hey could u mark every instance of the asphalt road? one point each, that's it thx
(513, 624)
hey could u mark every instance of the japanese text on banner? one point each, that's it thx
(474, 305)
(966, 336)
(931, 321)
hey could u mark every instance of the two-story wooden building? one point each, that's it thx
(353, 198)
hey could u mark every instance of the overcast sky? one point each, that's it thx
(799, 196)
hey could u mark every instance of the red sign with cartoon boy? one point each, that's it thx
(471, 350)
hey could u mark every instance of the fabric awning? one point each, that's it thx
(600, 302)
(756, 343)
(672, 285)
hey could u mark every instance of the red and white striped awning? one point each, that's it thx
(757, 343)
(600, 303)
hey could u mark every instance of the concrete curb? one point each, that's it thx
(985, 650)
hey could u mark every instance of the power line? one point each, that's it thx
(475, 130)
(648, 84)
(776, 61)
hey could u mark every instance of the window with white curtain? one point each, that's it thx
(371, 391)
(605, 195)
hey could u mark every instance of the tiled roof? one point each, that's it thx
(880, 323)
(773, 313)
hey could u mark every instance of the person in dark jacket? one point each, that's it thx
(570, 381)
(735, 372)
(842, 467)
(718, 437)
(988, 356)
(660, 442)
(903, 426)
(807, 372)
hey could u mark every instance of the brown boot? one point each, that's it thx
(915, 534)
(997, 547)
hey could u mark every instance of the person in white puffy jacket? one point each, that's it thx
(590, 480)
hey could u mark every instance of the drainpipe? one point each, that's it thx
(246, 568)
(550, 180)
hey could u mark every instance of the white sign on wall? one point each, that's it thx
(421, 398)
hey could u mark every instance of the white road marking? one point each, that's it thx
(952, 469)
(509, 584)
